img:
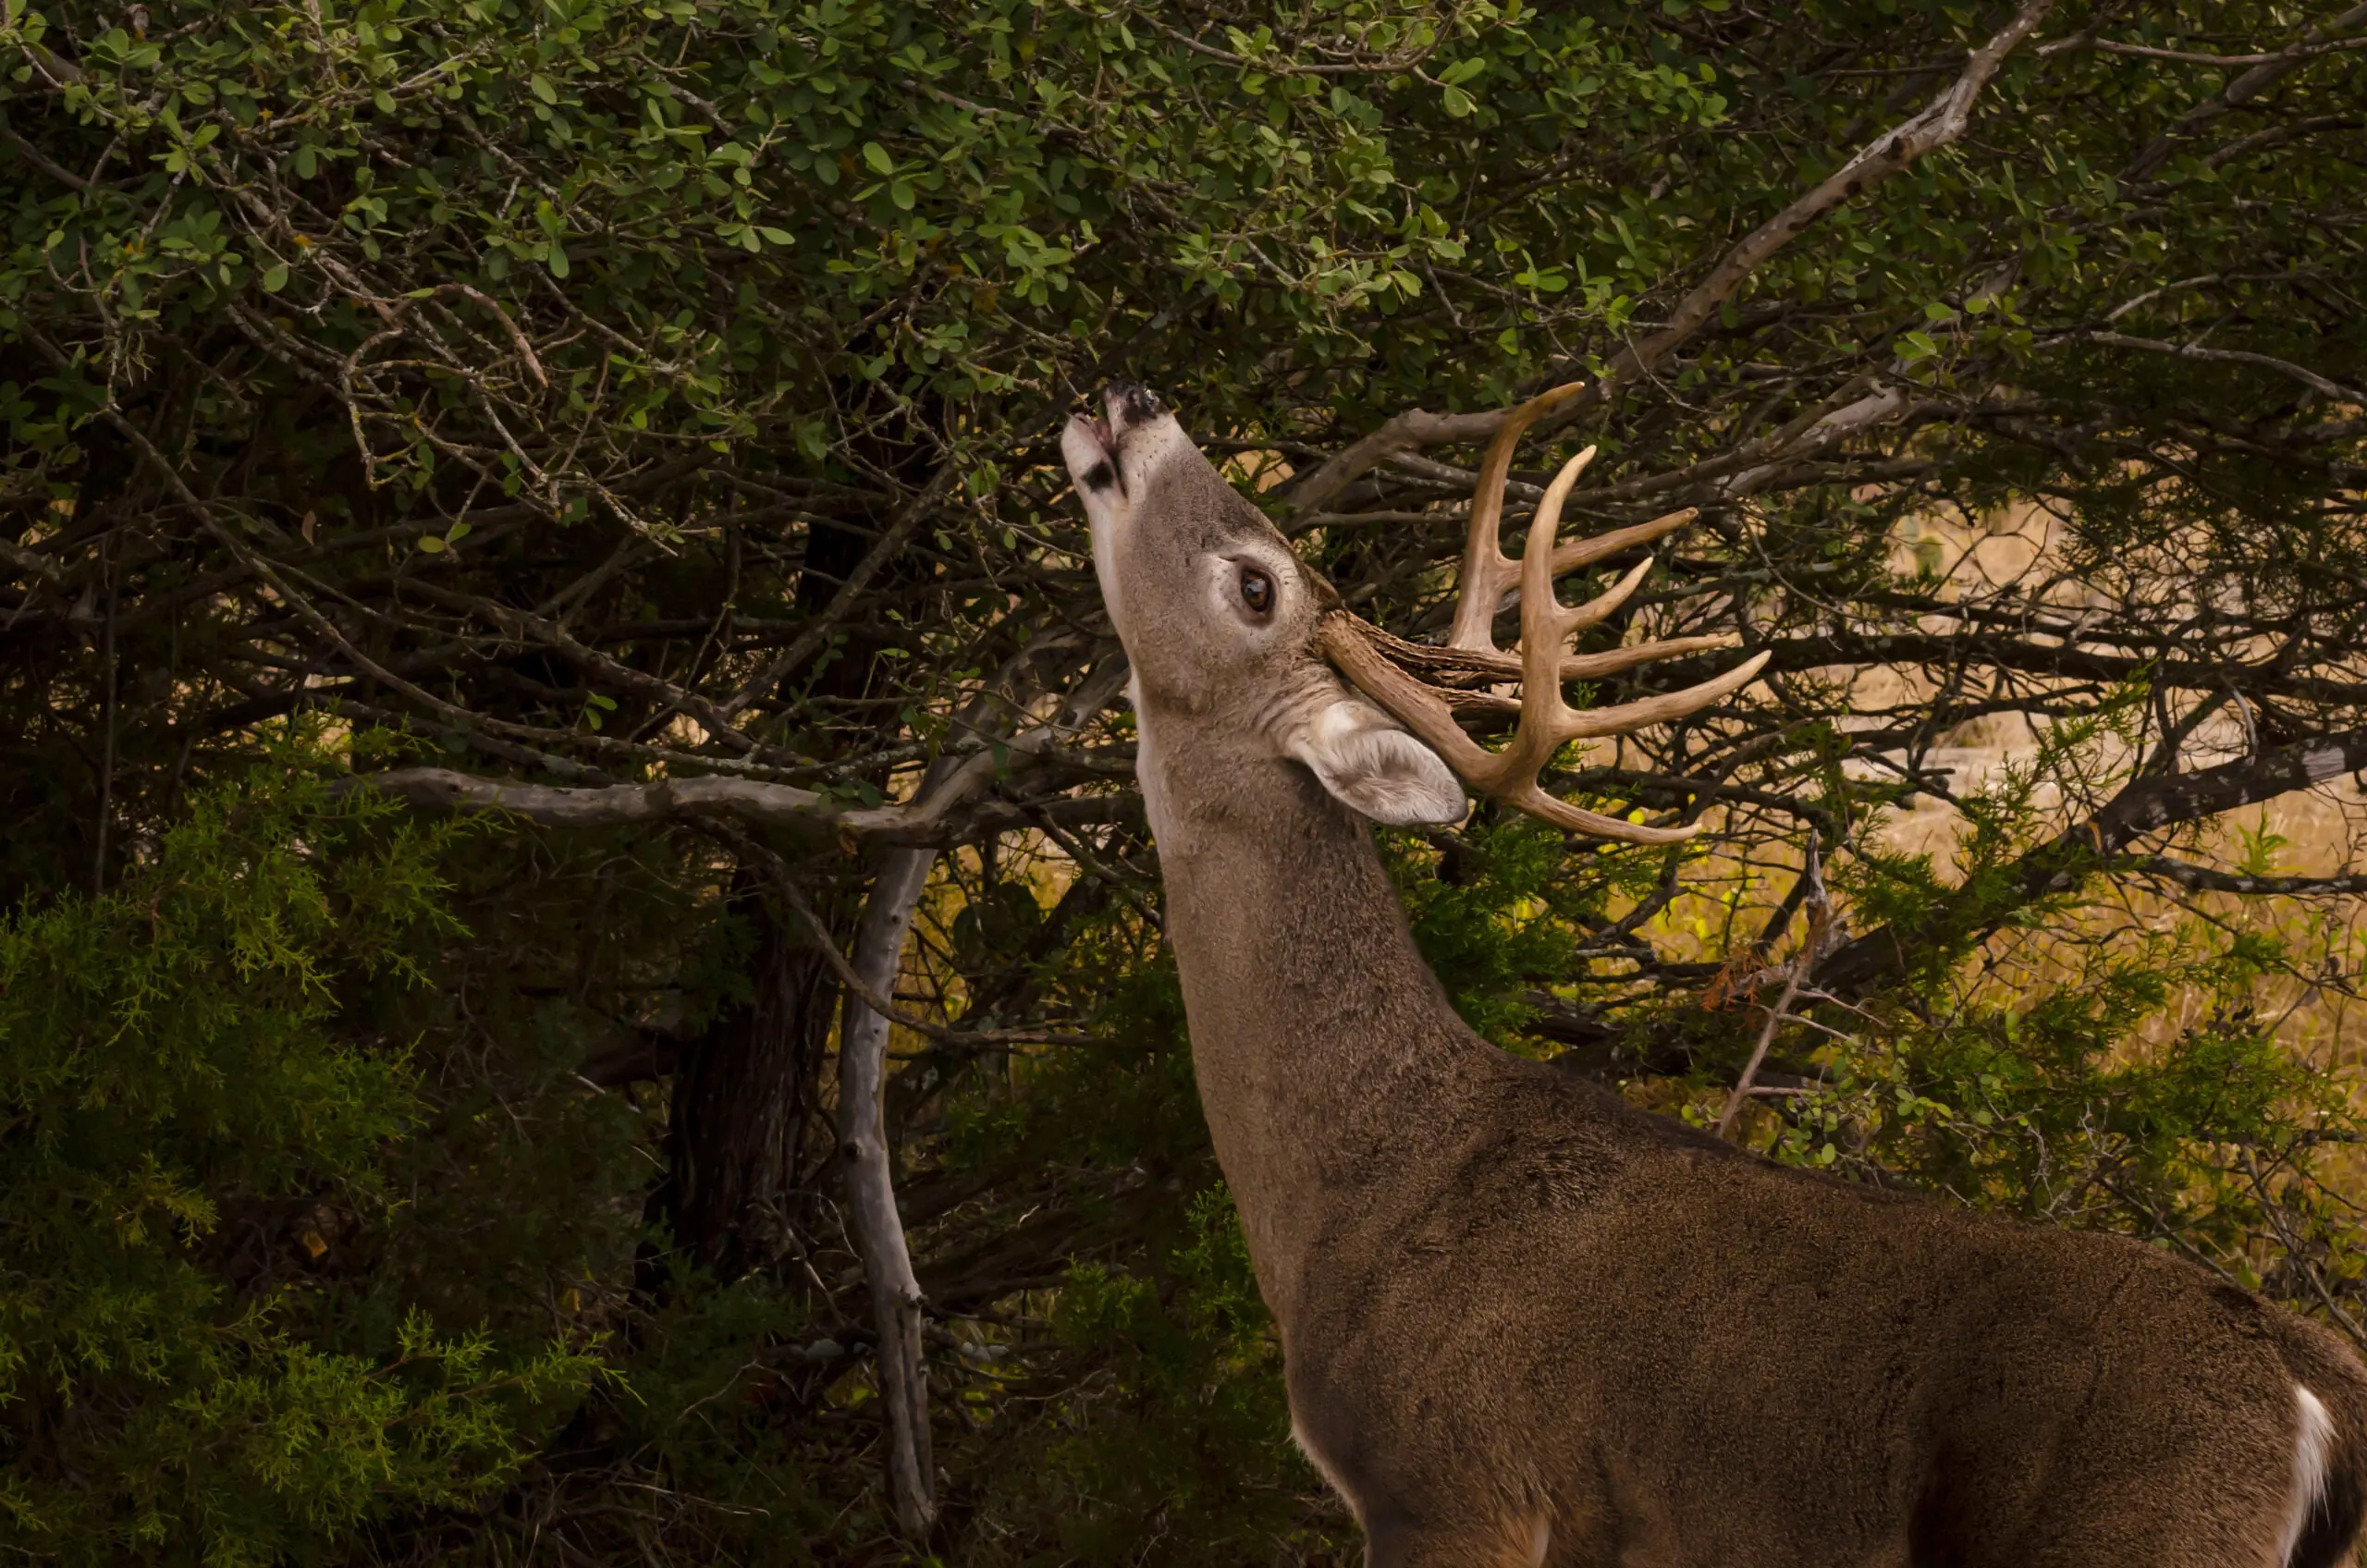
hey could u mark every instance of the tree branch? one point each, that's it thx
(2145, 805)
(2243, 90)
(2208, 879)
(878, 1230)
(1822, 933)
(947, 816)
(2302, 373)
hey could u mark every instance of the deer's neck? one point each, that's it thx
(1327, 1055)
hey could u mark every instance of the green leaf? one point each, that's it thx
(876, 157)
(275, 279)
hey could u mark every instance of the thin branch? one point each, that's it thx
(891, 540)
(878, 1002)
(2146, 805)
(2302, 373)
(2190, 57)
(1822, 933)
(2243, 90)
(2207, 879)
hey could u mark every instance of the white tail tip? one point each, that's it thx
(2312, 1446)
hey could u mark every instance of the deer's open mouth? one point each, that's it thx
(1130, 420)
(1091, 442)
(1091, 448)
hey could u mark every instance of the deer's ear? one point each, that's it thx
(1374, 768)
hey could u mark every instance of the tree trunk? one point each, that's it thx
(743, 1092)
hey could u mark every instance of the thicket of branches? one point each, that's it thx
(621, 435)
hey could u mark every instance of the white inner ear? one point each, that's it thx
(1374, 768)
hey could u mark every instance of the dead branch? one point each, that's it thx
(1824, 933)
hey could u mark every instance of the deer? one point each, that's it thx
(1525, 1322)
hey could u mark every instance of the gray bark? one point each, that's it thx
(878, 1230)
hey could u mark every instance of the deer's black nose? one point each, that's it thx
(1130, 403)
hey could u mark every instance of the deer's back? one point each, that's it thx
(1663, 1340)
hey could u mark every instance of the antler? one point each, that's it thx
(1385, 667)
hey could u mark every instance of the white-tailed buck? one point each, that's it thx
(1525, 1323)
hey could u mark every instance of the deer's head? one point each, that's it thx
(1228, 633)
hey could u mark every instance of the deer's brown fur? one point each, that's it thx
(1524, 1322)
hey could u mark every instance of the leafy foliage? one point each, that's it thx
(1184, 1454)
(603, 394)
(180, 1118)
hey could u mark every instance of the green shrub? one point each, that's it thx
(191, 1105)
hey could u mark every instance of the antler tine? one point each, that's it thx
(1547, 720)
(1568, 558)
(1545, 625)
(1487, 570)
(1590, 666)
(1594, 610)
(1646, 712)
(1528, 796)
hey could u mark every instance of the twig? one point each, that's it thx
(842, 602)
(1818, 940)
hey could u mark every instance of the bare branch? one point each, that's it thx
(809, 642)
(2190, 57)
(1825, 931)
(2208, 879)
(940, 819)
(2302, 373)
(878, 1230)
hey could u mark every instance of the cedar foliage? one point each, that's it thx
(181, 1103)
(589, 394)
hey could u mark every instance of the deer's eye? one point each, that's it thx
(1256, 590)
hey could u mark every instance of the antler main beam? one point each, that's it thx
(1383, 666)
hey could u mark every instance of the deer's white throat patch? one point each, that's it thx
(1112, 479)
(1149, 769)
